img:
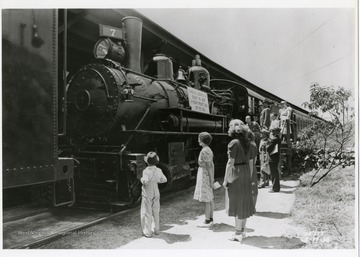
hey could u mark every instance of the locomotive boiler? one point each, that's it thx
(116, 114)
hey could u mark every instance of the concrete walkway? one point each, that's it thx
(269, 228)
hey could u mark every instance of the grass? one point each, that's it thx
(327, 210)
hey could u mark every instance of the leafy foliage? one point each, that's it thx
(324, 143)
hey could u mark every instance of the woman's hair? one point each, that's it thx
(205, 137)
(244, 141)
(234, 126)
(238, 130)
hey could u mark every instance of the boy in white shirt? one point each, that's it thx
(150, 201)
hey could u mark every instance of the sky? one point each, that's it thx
(281, 46)
(282, 50)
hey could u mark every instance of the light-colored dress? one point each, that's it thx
(203, 189)
(275, 124)
(285, 114)
(238, 196)
(264, 157)
(150, 201)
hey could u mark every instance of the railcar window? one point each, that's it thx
(256, 106)
(251, 105)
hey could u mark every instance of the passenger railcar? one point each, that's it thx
(30, 110)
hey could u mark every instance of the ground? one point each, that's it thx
(270, 228)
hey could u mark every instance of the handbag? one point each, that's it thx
(233, 175)
(265, 167)
(216, 185)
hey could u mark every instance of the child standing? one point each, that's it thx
(264, 159)
(205, 177)
(150, 201)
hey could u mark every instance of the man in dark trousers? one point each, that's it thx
(273, 148)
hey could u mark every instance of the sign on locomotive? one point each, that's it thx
(83, 125)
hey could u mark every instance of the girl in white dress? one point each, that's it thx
(205, 177)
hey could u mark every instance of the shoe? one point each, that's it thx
(236, 238)
(272, 191)
(148, 236)
(243, 235)
(206, 224)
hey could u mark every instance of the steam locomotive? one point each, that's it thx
(85, 132)
(116, 114)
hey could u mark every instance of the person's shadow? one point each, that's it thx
(173, 238)
(222, 227)
(272, 215)
(274, 242)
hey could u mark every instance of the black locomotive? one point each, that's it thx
(116, 114)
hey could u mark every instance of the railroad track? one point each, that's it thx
(29, 227)
(36, 227)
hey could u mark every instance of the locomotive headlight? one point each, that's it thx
(101, 48)
(106, 48)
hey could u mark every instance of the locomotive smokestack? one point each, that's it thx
(133, 30)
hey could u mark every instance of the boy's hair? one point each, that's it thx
(151, 158)
(205, 137)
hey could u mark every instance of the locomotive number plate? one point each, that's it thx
(108, 31)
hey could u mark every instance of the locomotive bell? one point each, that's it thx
(181, 75)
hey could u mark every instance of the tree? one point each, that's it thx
(335, 133)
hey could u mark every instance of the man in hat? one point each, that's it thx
(273, 148)
(265, 116)
(264, 159)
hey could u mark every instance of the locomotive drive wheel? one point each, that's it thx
(135, 191)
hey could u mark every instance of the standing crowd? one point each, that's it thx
(248, 141)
